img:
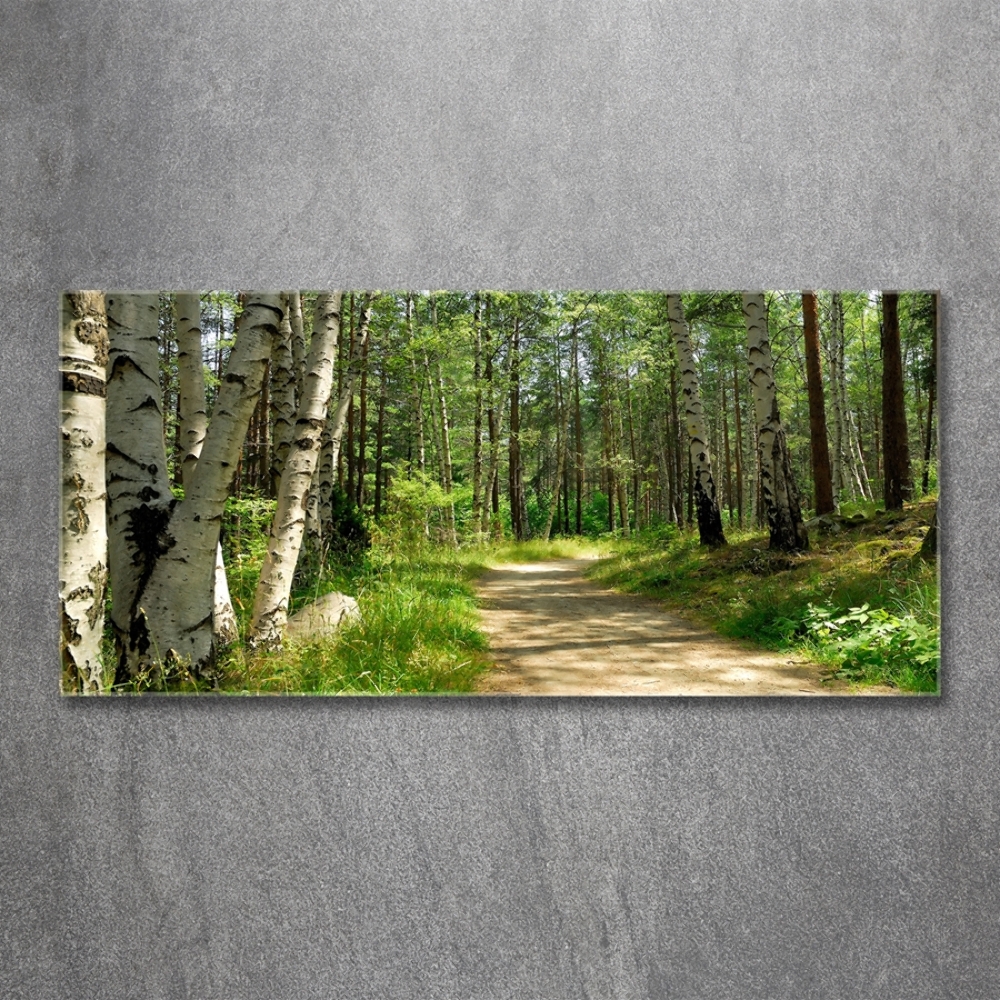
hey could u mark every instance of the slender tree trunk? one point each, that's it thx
(895, 435)
(477, 426)
(351, 462)
(362, 427)
(270, 611)
(820, 450)
(633, 454)
(83, 567)
(163, 551)
(578, 429)
(728, 452)
(298, 343)
(737, 406)
(709, 519)
(622, 489)
(780, 496)
(417, 400)
(561, 447)
(350, 374)
(283, 403)
(677, 490)
(383, 396)
(515, 472)
(836, 349)
(446, 466)
(931, 390)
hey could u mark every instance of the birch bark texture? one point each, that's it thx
(83, 570)
(283, 396)
(778, 491)
(709, 517)
(270, 612)
(193, 423)
(162, 550)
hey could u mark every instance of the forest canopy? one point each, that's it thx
(321, 423)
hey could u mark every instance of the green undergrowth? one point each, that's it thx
(418, 631)
(861, 602)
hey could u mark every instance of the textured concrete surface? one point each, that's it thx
(499, 848)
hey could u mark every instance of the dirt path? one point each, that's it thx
(554, 632)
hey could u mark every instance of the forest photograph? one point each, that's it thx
(499, 493)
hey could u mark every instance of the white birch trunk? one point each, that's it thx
(270, 612)
(193, 425)
(193, 417)
(283, 395)
(163, 593)
(779, 494)
(298, 342)
(707, 505)
(83, 558)
(841, 478)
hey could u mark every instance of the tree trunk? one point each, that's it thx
(931, 390)
(270, 611)
(515, 473)
(777, 484)
(737, 406)
(383, 397)
(561, 448)
(362, 464)
(298, 343)
(193, 417)
(709, 519)
(163, 551)
(83, 570)
(578, 429)
(284, 387)
(193, 423)
(820, 449)
(895, 435)
(477, 426)
(350, 374)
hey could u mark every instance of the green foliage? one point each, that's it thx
(418, 632)
(862, 603)
(594, 516)
(873, 644)
(346, 532)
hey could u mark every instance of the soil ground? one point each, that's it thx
(553, 632)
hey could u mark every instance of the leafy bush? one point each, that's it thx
(869, 644)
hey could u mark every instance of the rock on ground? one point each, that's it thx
(322, 618)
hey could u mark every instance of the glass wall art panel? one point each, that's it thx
(503, 493)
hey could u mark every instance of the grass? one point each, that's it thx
(419, 628)
(861, 602)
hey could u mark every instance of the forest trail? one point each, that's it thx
(553, 632)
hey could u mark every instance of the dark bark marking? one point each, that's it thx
(87, 385)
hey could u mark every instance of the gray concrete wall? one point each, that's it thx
(459, 848)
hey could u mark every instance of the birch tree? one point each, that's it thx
(270, 611)
(777, 484)
(709, 518)
(83, 571)
(192, 424)
(283, 396)
(162, 551)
